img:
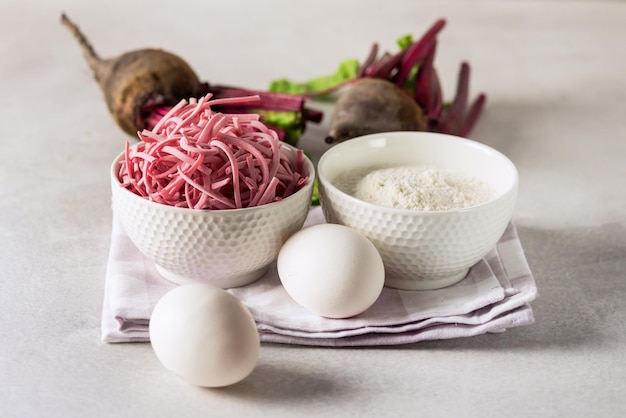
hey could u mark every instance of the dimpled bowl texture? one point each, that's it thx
(228, 248)
(422, 250)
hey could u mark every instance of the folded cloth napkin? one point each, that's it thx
(495, 295)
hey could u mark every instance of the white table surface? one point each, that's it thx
(555, 74)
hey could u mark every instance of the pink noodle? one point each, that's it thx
(235, 172)
(197, 158)
(269, 195)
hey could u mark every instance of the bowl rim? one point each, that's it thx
(115, 183)
(325, 182)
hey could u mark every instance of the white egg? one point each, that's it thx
(331, 270)
(205, 335)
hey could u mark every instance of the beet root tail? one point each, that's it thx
(96, 64)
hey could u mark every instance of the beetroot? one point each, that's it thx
(382, 106)
(394, 92)
(137, 81)
(140, 86)
(373, 105)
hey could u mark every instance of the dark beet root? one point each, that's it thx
(372, 105)
(384, 98)
(138, 81)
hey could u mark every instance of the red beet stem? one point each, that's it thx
(417, 51)
(427, 87)
(453, 116)
(365, 67)
(279, 102)
(472, 116)
(270, 101)
(387, 64)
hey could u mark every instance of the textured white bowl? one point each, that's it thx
(228, 248)
(422, 250)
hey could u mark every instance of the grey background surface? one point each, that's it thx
(555, 74)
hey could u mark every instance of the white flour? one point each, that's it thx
(415, 188)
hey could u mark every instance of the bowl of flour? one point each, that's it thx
(432, 204)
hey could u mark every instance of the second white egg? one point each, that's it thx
(331, 270)
(205, 335)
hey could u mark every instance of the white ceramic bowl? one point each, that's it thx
(228, 248)
(422, 250)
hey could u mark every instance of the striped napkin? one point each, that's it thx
(494, 296)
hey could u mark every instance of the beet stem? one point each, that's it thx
(387, 64)
(456, 110)
(268, 100)
(472, 116)
(365, 67)
(416, 52)
(427, 86)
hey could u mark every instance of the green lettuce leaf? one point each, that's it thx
(290, 122)
(347, 70)
(405, 41)
(315, 197)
